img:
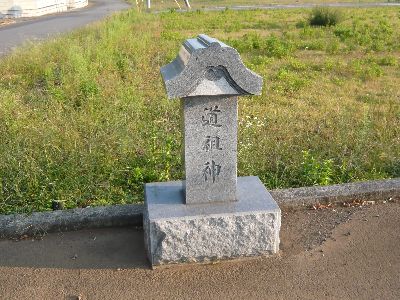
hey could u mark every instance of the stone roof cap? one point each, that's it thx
(205, 66)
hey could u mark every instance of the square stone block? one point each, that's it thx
(185, 233)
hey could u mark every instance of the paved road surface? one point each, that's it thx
(359, 259)
(40, 28)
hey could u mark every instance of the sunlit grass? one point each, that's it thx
(200, 4)
(84, 118)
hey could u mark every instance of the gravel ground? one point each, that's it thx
(332, 253)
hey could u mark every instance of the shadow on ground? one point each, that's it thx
(107, 248)
(333, 253)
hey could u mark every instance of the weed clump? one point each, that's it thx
(84, 119)
(324, 16)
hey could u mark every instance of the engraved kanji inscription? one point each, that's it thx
(211, 171)
(211, 143)
(211, 116)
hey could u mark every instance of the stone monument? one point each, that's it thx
(212, 214)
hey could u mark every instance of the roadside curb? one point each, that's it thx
(14, 226)
(377, 190)
(39, 223)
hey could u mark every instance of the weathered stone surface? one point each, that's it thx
(206, 66)
(210, 139)
(179, 233)
(376, 190)
(208, 76)
(39, 223)
(208, 215)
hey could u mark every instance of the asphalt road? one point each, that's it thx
(42, 27)
(341, 253)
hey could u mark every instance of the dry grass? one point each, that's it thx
(200, 4)
(4, 22)
(84, 118)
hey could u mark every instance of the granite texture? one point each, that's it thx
(210, 139)
(206, 66)
(213, 85)
(209, 76)
(181, 233)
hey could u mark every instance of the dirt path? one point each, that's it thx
(359, 259)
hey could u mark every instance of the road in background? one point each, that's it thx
(39, 28)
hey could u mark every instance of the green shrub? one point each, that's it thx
(324, 16)
(388, 61)
(277, 47)
(343, 32)
(317, 172)
(288, 82)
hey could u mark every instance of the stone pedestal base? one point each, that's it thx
(186, 233)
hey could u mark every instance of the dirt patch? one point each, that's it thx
(4, 22)
(335, 253)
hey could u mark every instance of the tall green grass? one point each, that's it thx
(84, 118)
(325, 16)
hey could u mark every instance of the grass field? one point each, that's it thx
(84, 118)
(199, 4)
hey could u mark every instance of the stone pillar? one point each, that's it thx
(208, 76)
(211, 214)
(210, 143)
